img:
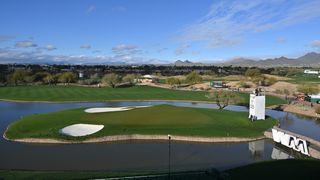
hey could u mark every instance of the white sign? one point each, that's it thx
(290, 141)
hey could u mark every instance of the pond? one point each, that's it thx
(139, 155)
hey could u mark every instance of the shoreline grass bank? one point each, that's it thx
(139, 137)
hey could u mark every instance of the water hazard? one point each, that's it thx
(143, 155)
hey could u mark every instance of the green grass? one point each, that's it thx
(160, 119)
(281, 169)
(304, 78)
(73, 93)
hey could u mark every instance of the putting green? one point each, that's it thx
(154, 120)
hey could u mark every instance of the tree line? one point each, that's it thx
(25, 77)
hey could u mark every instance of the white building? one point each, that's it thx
(308, 71)
(257, 105)
(81, 75)
(148, 79)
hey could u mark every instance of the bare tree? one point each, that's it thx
(223, 98)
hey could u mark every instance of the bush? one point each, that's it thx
(265, 81)
(318, 110)
(243, 84)
(308, 88)
(173, 82)
(193, 78)
(111, 79)
(67, 77)
(129, 78)
(278, 91)
(286, 92)
(269, 81)
(253, 73)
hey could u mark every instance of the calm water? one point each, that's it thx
(138, 156)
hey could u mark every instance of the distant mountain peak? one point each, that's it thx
(186, 63)
(311, 59)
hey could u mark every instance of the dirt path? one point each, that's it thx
(298, 109)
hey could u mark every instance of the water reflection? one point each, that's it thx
(286, 120)
(257, 149)
(280, 154)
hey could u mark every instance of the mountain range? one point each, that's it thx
(311, 59)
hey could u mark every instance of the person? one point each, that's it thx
(257, 92)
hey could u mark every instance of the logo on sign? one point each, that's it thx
(290, 141)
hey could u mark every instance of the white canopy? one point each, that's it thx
(148, 76)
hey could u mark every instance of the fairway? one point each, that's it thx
(74, 93)
(305, 78)
(154, 120)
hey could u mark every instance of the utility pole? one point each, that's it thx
(169, 157)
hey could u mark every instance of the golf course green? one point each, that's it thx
(153, 120)
(74, 93)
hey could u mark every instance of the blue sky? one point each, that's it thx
(155, 31)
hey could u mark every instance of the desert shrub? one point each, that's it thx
(308, 88)
(278, 91)
(243, 84)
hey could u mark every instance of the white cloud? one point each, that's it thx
(181, 50)
(229, 22)
(25, 44)
(6, 38)
(315, 44)
(91, 9)
(50, 47)
(85, 46)
(123, 47)
(15, 56)
(126, 50)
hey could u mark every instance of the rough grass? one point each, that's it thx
(74, 93)
(160, 119)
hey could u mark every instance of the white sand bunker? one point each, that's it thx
(111, 109)
(81, 129)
